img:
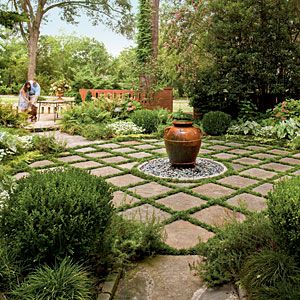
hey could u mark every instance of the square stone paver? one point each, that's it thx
(41, 163)
(217, 215)
(71, 158)
(181, 201)
(20, 175)
(87, 164)
(237, 181)
(264, 155)
(144, 213)
(109, 146)
(115, 159)
(183, 235)
(234, 144)
(183, 184)
(258, 173)
(297, 172)
(239, 151)
(86, 149)
(263, 189)
(124, 150)
(251, 202)
(237, 167)
(297, 155)
(140, 147)
(256, 148)
(139, 155)
(205, 151)
(127, 166)
(124, 180)
(219, 147)
(276, 167)
(215, 141)
(247, 161)
(130, 143)
(290, 161)
(120, 198)
(151, 189)
(98, 154)
(279, 152)
(105, 171)
(161, 150)
(213, 190)
(224, 156)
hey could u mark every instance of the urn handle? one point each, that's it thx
(166, 130)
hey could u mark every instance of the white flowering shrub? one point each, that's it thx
(11, 144)
(124, 128)
(7, 186)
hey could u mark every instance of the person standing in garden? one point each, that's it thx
(24, 97)
(34, 93)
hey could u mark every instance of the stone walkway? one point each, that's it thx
(188, 211)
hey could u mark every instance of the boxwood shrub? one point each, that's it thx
(216, 122)
(284, 213)
(146, 119)
(56, 214)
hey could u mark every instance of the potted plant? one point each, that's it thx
(60, 87)
(182, 140)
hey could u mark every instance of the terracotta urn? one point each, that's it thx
(183, 143)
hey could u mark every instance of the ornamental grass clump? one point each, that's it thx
(56, 214)
(66, 280)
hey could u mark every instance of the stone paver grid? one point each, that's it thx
(20, 175)
(41, 163)
(213, 190)
(71, 158)
(263, 189)
(237, 181)
(251, 202)
(120, 199)
(105, 171)
(297, 155)
(141, 147)
(183, 235)
(161, 150)
(276, 167)
(86, 164)
(237, 167)
(130, 143)
(181, 201)
(217, 215)
(205, 151)
(297, 172)
(258, 173)
(151, 189)
(86, 149)
(125, 180)
(256, 148)
(145, 213)
(247, 161)
(109, 146)
(115, 159)
(234, 144)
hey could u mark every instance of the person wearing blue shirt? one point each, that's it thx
(34, 93)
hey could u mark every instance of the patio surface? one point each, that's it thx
(191, 210)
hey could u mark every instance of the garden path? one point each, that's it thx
(188, 211)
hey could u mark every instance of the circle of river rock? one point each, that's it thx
(162, 168)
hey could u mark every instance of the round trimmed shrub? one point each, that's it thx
(65, 281)
(216, 122)
(284, 213)
(56, 214)
(147, 119)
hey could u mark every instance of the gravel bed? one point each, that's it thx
(162, 168)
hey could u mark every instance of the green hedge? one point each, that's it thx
(216, 122)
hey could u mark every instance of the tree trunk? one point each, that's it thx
(155, 21)
(34, 34)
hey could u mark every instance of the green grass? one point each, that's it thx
(9, 99)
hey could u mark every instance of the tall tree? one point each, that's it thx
(113, 13)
